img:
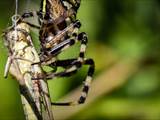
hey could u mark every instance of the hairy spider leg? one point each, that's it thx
(86, 86)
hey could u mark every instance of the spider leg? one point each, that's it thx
(71, 65)
(75, 65)
(84, 40)
(87, 81)
(58, 63)
(63, 63)
(62, 46)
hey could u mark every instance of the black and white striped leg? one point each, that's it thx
(62, 46)
(84, 40)
(72, 67)
(86, 86)
(58, 63)
(68, 72)
(63, 63)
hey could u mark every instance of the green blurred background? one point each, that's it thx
(118, 30)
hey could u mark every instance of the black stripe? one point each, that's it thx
(63, 63)
(89, 62)
(56, 49)
(77, 24)
(91, 68)
(85, 40)
(64, 74)
(81, 100)
(74, 34)
(81, 54)
(72, 41)
(82, 36)
(91, 71)
(61, 104)
(86, 89)
(78, 64)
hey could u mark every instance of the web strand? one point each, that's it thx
(16, 10)
(15, 19)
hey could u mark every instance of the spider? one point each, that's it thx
(59, 29)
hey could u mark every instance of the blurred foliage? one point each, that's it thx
(117, 29)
